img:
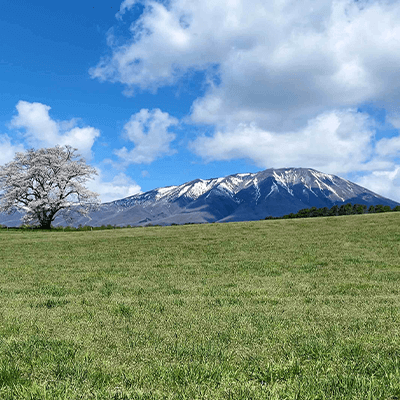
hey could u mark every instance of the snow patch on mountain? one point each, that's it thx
(199, 188)
(258, 193)
(274, 188)
(283, 181)
(163, 192)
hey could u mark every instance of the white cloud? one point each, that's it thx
(386, 183)
(307, 69)
(148, 131)
(336, 142)
(388, 147)
(394, 120)
(42, 131)
(34, 117)
(125, 6)
(279, 62)
(284, 78)
(8, 149)
(109, 190)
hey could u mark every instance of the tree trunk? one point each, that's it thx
(47, 219)
(45, 224)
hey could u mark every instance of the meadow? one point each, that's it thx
(277, 309)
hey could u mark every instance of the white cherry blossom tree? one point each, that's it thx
(46, 183)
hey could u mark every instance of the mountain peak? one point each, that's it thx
(242, 196)
(237, 197)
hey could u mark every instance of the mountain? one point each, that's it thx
(239, 197)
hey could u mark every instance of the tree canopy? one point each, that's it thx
(46, 183)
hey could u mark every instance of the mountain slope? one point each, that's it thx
(239, 197)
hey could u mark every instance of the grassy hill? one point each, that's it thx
(281, 309)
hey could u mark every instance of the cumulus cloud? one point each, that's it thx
(278, 62)
(148, 131)
(344, 62)
(386, 183)
(8, 149)
(337, 141)
(109, 190)
(42, 131)
(283, 78)
(389, 147)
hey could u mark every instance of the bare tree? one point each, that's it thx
(47, 182)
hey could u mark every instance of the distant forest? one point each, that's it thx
(344, 209)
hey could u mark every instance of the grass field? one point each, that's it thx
(282, 309)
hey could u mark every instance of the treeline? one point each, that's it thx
(344, 209)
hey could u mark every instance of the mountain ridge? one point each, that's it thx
(236, 197)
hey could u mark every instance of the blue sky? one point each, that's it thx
(157, 93)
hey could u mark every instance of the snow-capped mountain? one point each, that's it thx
(239, 197)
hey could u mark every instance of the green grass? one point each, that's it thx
(282, 309)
